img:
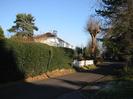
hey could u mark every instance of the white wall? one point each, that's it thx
(54, 41)
(82, 63)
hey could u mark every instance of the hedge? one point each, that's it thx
(19, 60)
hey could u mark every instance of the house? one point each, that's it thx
(51, 39)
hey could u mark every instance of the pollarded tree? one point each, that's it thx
(93, 28)
(24, 25)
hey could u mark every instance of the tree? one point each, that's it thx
(1, 33)
(112, 9)
(78, 53)
(93, 28)
(119, 16)
(25, 25)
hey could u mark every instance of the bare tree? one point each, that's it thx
(93, 28)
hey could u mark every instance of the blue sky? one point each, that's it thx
(68, 17)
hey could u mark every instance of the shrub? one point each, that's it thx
(31, 59)
(89, 67)
(1, 33)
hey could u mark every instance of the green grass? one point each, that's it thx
(122, 89)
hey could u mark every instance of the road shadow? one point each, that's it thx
(107, 68)
(24, 90)
(9, 70)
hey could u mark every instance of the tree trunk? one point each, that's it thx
(93, 50)
(130, 5)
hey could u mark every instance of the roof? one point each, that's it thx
(46, 35)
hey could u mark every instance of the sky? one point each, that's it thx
(67, 17)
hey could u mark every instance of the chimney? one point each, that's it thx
(55, 32)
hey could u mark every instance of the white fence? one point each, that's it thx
(82, 63)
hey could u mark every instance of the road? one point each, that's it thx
(48, 89)
(51, 88)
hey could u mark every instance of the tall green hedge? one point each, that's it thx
(23, 59)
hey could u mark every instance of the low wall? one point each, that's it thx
(82, 63)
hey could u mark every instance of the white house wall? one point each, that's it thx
(51, 41)
(55, 41)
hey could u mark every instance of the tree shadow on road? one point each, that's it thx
(32, 91)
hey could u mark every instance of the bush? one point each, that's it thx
(99, 60)
(89, 67)
(31, 59)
